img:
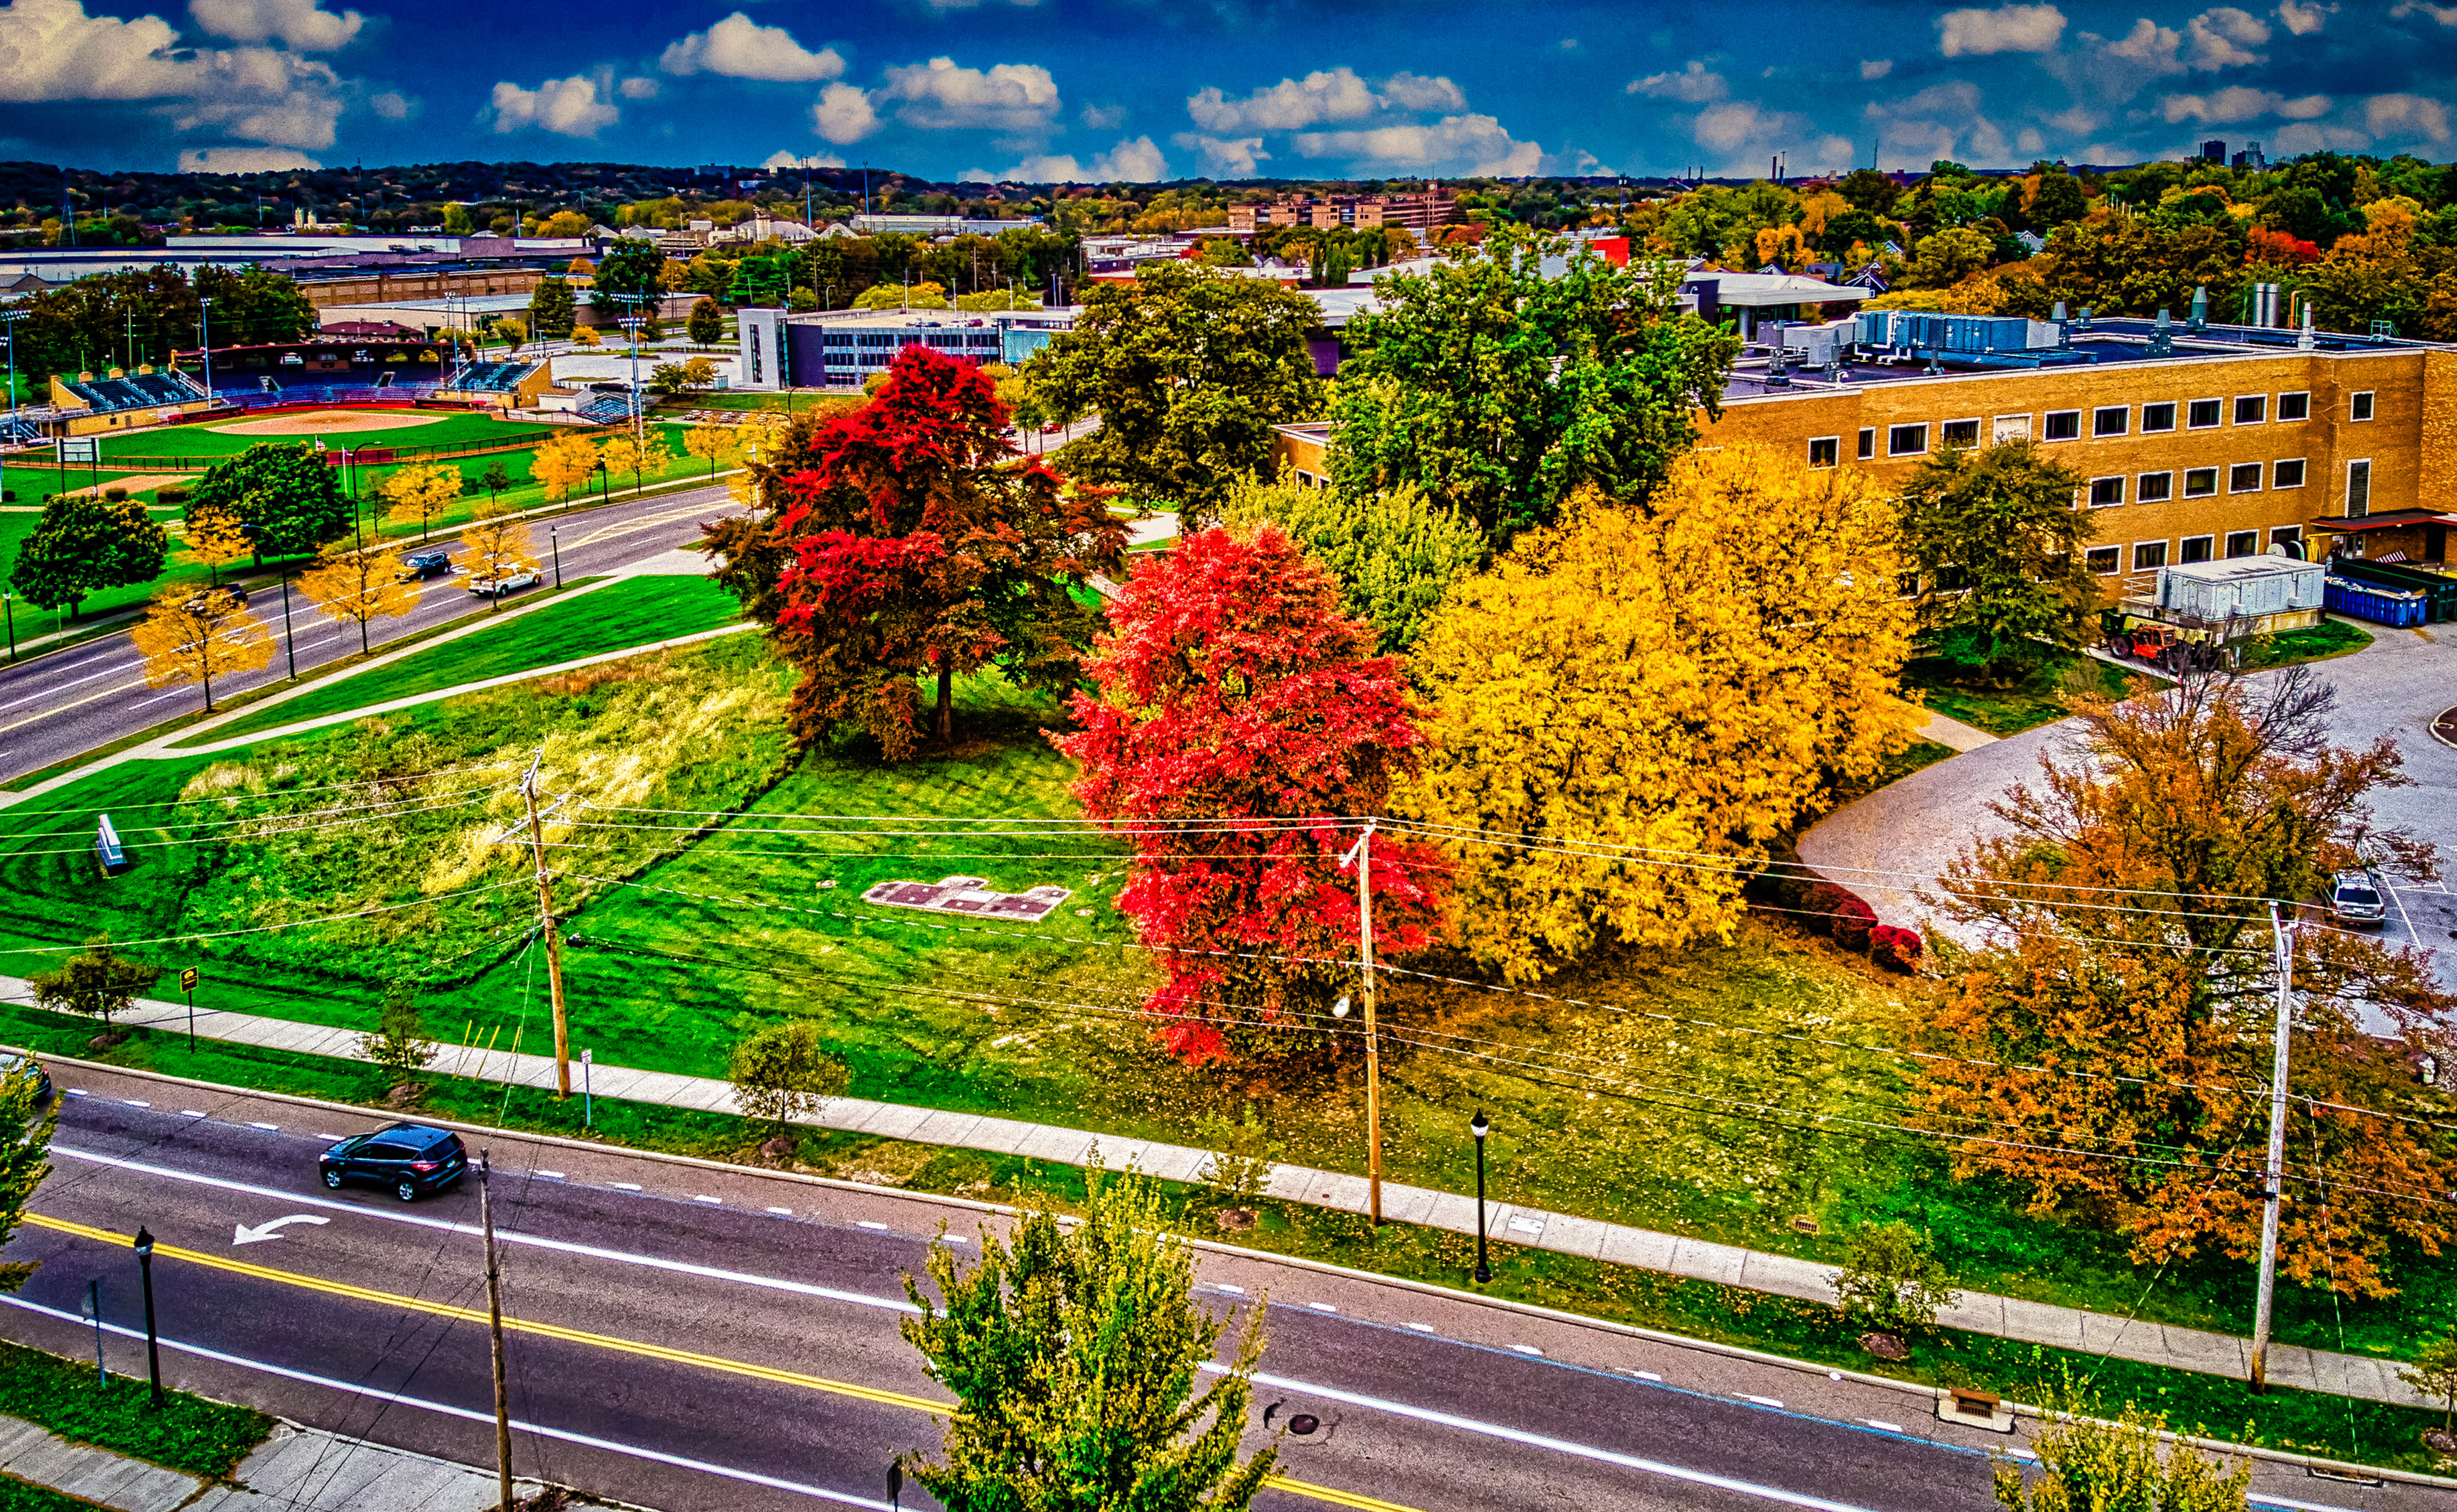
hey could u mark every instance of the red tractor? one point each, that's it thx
(2165, 647)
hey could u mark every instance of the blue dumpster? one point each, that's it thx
(2363, 601)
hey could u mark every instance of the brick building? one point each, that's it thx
(1435, 206)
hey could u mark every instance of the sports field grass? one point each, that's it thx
(220, 438)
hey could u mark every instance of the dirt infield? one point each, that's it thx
(324, 422)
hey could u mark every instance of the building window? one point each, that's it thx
(2288, 474)
(2109, 421)
(2244, 478)
(2202, 414)
(2251, 409)
(1906, 441)
(2149, 556)
(2199, 483)
(2105, 560)
(2243, 543)
(2288, 536)
(2158, 418)
(2155, 487)
(2063, 425)
(2196, 548)
(2106, 490)
(1824, 450)
(2012, 428)
(2294, 406)
(1867, 444)
(2359, 489)
(2362, 408)
(1961, 433)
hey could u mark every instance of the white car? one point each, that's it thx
(494, 587)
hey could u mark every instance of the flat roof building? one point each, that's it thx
(842, 348)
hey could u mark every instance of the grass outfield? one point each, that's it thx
(455, 428)
(631, 612)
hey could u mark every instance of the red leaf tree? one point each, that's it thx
(906, 540)
(1243, 727)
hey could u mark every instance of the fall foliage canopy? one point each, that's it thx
(416, 493)
(215, 639)
(353, 587)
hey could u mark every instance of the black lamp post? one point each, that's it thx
(600, 471)
(1480, 1127)
(8, 609)
(153, 1348)
(555, 544)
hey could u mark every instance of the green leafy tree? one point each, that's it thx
(1996, 543)
(83, 545)
(552, 309)
(782, 1073)
(101, 982)
(1188, 368)
(25, 1159)
(1394, 554)
(1891, 1279)
(495, 479)
(2434, 1374)
(631, 268)
(2089, 1464)
(1074, 1355)
(399, 1045)
(706, 324)
(282, 492)
(1499, 390)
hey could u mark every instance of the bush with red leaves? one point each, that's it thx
(1896, 949)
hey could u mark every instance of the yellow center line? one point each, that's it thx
(574, 1336)
(62, 709)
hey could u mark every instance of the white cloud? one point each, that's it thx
(739, 48)
(2079, 121)
(2406, 116)
(1569, 44)
(2224, 37)
(2445, 16)
(2152, 46)
(2302, 20)
(938, 95)
(392, 105)
(1102, 117)
(1224, 157)
(299, 23)
(943, 7)
(2230, 106)
(780, 158)
(564, 107)
(1692, 84)
(1414, 92)
(2314, 137)
(843, 114)
(639, 89)
(50, 49)
(243, 161)
(1875, 68)
(1134, 161)
(1728, 127)
(2007, 29)
(1332, 94)
(1944, 120)
(2029, 143)
(1473, 144)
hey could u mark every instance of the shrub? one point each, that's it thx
(1890, 1279)
(167, 496)
(1852, 922)
(8, 496)
(1896, 950)
(117, 496)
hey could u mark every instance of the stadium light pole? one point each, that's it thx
(205, 342)
(9, 319)
(633, 322)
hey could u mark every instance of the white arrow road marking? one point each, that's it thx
(241, 1233)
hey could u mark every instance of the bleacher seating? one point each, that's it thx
(19, 432)
(135, 391)
(607, 409)
(490, 378)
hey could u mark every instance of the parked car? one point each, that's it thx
(408, 1159)
(11, 1064)
(496, 587)
(422, 565)
(2357, 897)
(197, 605)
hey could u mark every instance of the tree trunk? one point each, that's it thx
(947, 705)
(207, 681)
(363, 648)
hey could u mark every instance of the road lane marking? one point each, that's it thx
(1882, 1426)
(626, 1186)
(272, 1126)
(786, 1212)
(241, 1233)
(550, 1176)
(719, 1201)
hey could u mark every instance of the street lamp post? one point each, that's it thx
(9, 609)
(289, 639)
(601, 496)
(1480, 1127)
(555, 545)
(152, 1346)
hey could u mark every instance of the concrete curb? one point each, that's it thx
(1321, 1267)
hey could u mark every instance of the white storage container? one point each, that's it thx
(2245, 587)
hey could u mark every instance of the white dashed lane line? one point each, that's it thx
(786, 1212)
(272, 1126)
(626, 1186)
(1883, 1425)
(867, 1224)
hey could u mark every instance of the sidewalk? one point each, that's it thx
(297, 1467)
(1783, 1275)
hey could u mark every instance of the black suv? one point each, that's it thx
(422, 564)
(409, 1159)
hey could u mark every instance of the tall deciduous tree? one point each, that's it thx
(782, 1072)
(1688, 678)
(501, 545)
(2088, 1465)
(551, 308)
(562, 464)
(712, 442)
(99, 981)
(629, 268)
(905, 540)
(216, 538)
(25, 1131)
(705, 324)
(1500, 390)
(1395, 554)
(83, 545)
(2114, 1022)
(354, 587)
(282, 492)
(420, 492)
(1996, 542)
(1077, 1357)
(1188, 368)
(185, 639)
(1243, 727)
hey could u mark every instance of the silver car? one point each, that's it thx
(2356, 898)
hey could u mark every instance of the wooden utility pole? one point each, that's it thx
(553, 940)
(495, 1325)
(2274, 1170)
(1363, 856)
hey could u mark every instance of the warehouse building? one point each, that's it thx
(841, 348)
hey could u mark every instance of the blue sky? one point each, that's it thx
(1157, 89)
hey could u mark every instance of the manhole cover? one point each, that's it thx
(2444, 729)
(1304, 1423)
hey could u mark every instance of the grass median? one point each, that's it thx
(185, 1433)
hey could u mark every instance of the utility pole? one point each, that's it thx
(2274, 1170)
(1362, 855)
(546, 927)
(495, 1325)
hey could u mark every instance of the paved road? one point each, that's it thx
(59, 705)
(713, 1340)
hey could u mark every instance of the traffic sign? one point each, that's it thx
(188, 979)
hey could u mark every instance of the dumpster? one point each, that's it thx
(2439, 591)
(2364, 601)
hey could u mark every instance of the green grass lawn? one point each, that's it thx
(2321, 642)
(2046, 694)
(453, 428)
(186, 1432)
(631, 612)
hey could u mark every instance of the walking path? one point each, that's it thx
(301, 1468)
(1783, 1275)
(1954, 733)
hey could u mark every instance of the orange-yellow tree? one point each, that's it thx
(419, 493)
(562, 464)
(1675, 681)
(213, 639)
(217, 539)
(2114, 1022)
(501, 545)
(352, 587)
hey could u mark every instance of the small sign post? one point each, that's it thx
(94, 1309)
(188, 976)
